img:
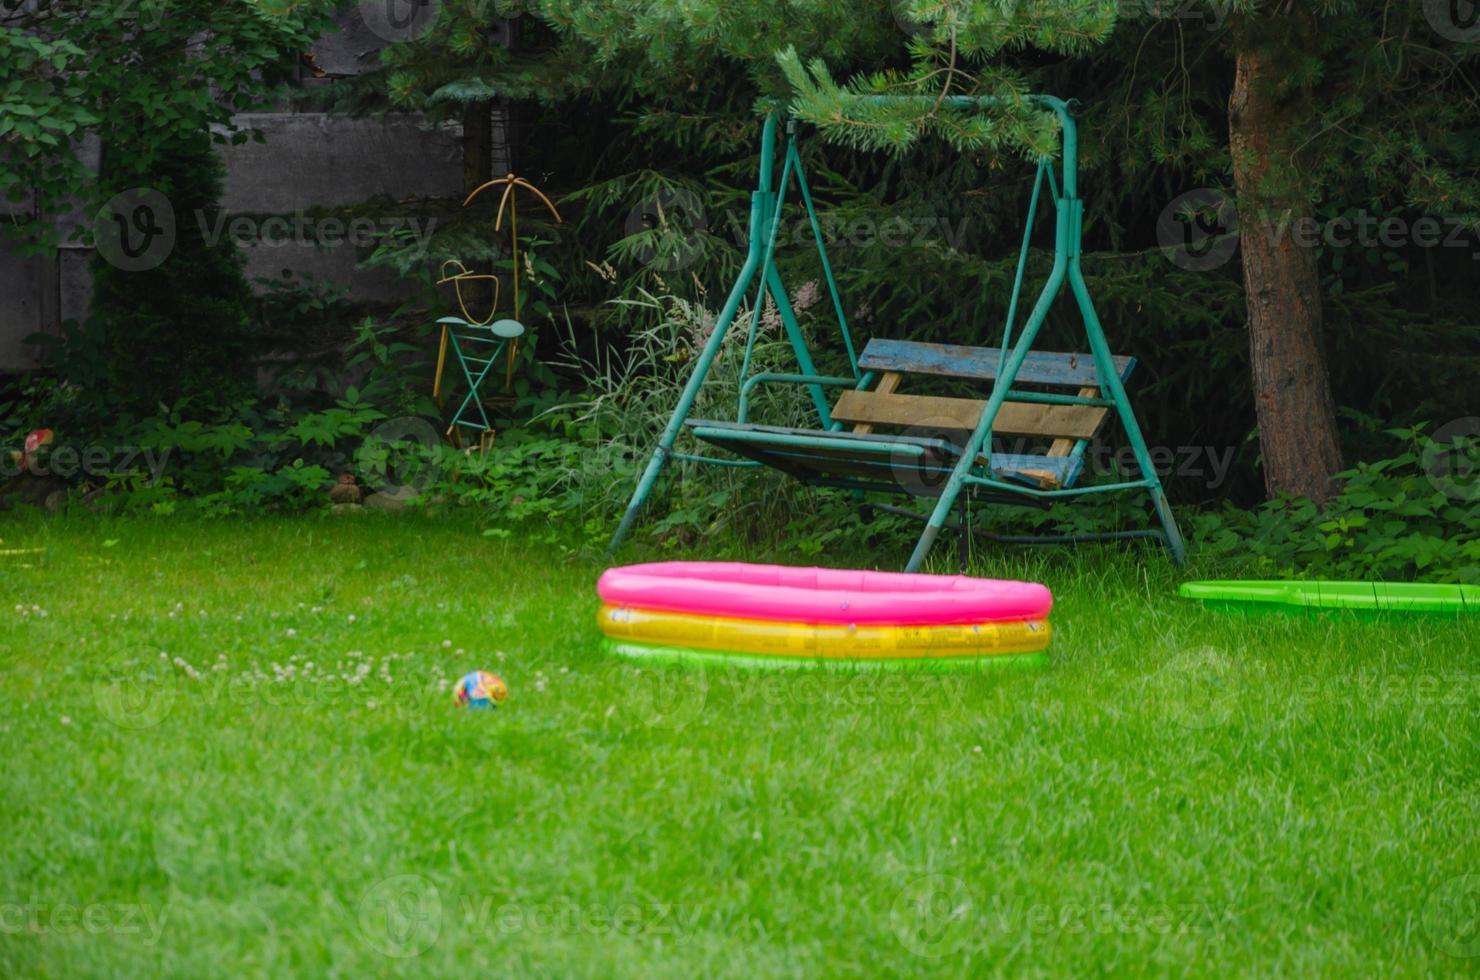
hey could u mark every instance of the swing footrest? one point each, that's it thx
(914, 465)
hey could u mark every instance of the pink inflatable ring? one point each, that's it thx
(821, 595)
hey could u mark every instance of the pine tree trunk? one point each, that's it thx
(1292, 391)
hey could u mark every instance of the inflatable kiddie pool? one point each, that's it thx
(778, 616)
(1363, 599)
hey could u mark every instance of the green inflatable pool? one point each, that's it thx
(718, 660)
(1368, 598)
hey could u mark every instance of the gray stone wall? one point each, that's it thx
(317, 160)
(311, 160)
(28, 290)
(38, 293)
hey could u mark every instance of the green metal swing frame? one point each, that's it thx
(968, 474)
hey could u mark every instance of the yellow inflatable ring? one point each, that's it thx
(825, 641)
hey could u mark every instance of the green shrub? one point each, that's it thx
(1399, 518)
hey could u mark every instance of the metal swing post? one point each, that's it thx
(1171, 535)
(1100, 348)
(1068, 251)
(761, 207)
(982, 435)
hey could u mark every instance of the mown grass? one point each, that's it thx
(1180, 793)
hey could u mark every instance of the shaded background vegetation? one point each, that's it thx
(618, 117)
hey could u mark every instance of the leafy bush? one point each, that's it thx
(182, 329)
(1409, 517)
(249, 461)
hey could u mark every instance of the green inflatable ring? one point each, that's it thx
(1364, 599)
(714, 659)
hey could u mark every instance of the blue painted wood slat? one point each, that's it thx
(980, 363)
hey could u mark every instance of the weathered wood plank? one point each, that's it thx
(888, 385)
(1063, 447)
(929, 412)
(980, 363)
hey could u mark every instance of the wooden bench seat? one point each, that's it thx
(932, 430)
(876, 459)
(931, 412)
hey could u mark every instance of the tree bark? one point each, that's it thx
(1292, 390)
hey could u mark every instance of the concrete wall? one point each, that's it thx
(38, 293)
(28, 292)
(311, 160)
(317, 160)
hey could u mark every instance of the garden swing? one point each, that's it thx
(941, 447)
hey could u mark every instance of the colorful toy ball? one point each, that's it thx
(480, 689)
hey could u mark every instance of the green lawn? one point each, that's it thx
(1180, 792)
